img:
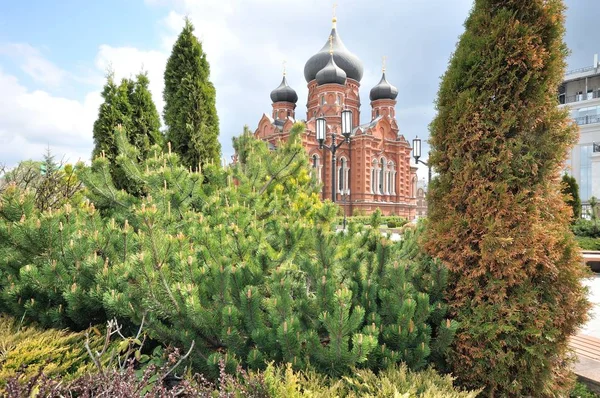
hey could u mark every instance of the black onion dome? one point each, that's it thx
(349, 62)
(383, 90)
(284, 93)
(331, 73)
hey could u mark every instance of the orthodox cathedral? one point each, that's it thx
(373, 169)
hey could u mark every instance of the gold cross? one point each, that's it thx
(284, 63)
(334, 19)
(330, 44)
(384, 58)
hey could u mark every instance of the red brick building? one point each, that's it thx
(373, 170)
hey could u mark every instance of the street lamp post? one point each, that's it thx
(346, 131)
(417, 155)
(345, 193)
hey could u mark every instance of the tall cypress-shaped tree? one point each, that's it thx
(130, 105)
(145, 122)
(190, 112)
(115, 110)
(497, 217)
(570, 188)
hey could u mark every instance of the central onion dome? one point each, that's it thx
(383, 90)
(331, 73)
(347, 61)
(284, 93)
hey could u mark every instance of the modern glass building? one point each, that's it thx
(580, 93)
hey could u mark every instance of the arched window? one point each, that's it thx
(322, 100)
(381, 175)
(289, 113)
(343, 176)
(374, 176)
(316, 166)
(391, 178)
(341, 169)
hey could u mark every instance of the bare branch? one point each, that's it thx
(183, 358)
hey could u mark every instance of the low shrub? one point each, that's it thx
(390, 221)
(275, 382)
(582, 391)
(28, 350)
(587, 243)
(586, 228)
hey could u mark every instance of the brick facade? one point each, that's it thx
(375, 168)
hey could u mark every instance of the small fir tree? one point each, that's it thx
(145, 121)
(114, 111)
(128, 106)
(190, 112)
(497, 217)
(570, 189)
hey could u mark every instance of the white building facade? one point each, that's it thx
(580, 93)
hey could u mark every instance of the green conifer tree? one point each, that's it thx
(130, 106)
(145, 122)
(190, 112)
(570, 189)
(114, 111)
(497, 217)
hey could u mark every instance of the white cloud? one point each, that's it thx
(31, 120)
(245, 42)
(32, 62)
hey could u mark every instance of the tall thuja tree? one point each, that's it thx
(114, 111)
(570, 189)
(190, 112)
(144, 131)
(497, 217)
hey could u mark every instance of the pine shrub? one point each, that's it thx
(497, 217)
(244, 262)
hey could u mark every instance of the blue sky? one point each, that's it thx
(54, 55)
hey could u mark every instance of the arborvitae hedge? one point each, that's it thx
(497, 215)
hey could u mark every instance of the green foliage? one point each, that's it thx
(52, 184)
(190, 112)
(144, 131)
(126, 106)
(588, 243)
(570, 189)
(586, 228)
(497, 217)
(390, 221)
(581, 391)
(29, 350)
(396, 381)
(276, 382)
(244, 262)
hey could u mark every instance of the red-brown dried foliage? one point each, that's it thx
(497, 216)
